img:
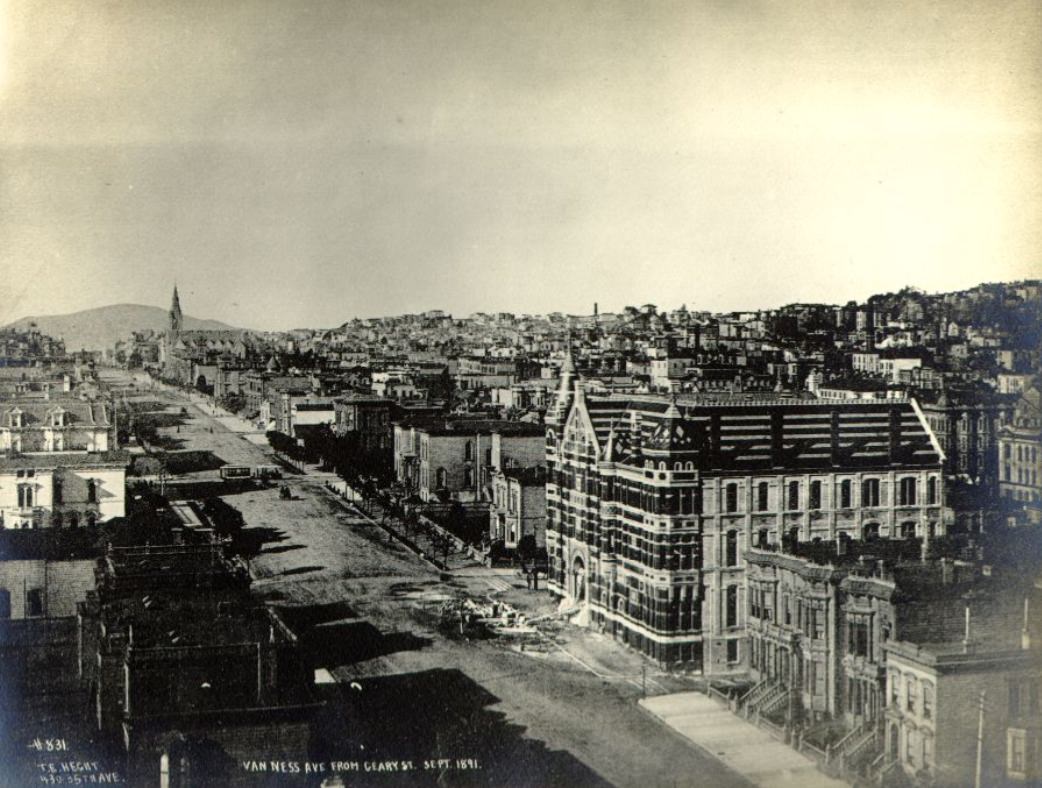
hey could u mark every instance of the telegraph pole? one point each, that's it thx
(980, 740)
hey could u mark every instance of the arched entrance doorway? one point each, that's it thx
(578, 580)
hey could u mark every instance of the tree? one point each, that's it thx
(225, 518)
(233, 403)
(284, 444)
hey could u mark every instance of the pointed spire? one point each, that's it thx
(673, 412)
(609, 444)
(176, 316)
(566, 389)
(568, 367)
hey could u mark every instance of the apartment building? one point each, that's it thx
(1020, 457)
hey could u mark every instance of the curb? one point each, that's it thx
(740, 778)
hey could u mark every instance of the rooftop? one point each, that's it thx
(479, 427)
(72, 459)
(37, 412)
(768, 432)
(534, 475)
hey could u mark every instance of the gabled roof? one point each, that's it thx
(767, 434)
(675, 434)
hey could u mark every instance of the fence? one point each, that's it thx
(816, 753)
(720, 695)
(777, 731)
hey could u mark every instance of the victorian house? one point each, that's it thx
(58, 463)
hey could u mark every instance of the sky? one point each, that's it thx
(304, 163)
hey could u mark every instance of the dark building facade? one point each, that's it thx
(186, 672)
(651, 504)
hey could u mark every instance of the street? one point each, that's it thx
(478, 711)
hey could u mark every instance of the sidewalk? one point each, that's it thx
(749, 750)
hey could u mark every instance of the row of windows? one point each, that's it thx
(810, 619)
(1024, 453)
(907, 494)
(918, 695)
(57, 419)
(919, 749)
(468, 453)
(441, 478)
(33, 603)
(1024, 475)
(1025, 495)
(27, 493)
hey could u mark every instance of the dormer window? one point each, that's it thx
(14, 419)
(58, 418)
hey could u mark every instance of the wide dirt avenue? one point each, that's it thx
(407, 688)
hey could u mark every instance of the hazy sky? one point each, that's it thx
(301, 163)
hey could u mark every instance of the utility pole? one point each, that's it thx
(980, 740)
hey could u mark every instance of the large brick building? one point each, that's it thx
(443, 459)
(651, 504)
(367, 418)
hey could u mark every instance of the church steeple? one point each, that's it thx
(176, 318)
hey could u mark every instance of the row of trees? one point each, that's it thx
(228, 523)
(348, 456)
(284, 444)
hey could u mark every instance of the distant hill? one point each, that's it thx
(97, 329)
